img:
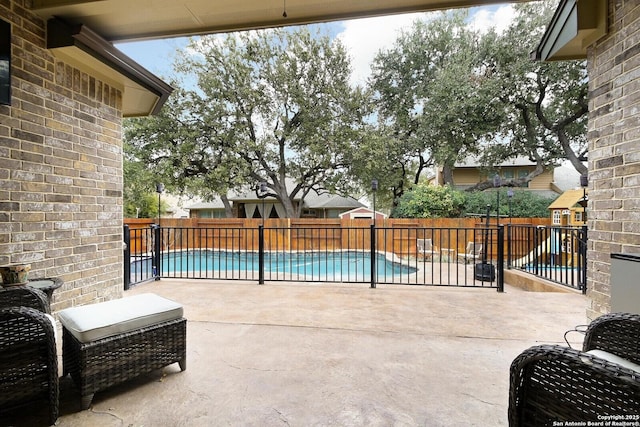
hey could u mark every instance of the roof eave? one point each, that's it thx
(143, 93)
(576, 24)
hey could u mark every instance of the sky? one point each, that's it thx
(363, 38)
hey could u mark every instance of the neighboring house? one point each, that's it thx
(362, 213)
(174, 206)
(214, 209)
(550, 183)
(248, 205)
(566, 210)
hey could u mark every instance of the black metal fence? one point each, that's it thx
(557, 254)
(462, 257)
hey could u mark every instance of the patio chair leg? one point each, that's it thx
(183, 363)
(86, 401)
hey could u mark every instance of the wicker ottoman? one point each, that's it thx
(111, 342)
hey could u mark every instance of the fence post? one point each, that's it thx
(373, 255)
(157, 245)
(536, 240)
(261, 254)
(500, 260)
(509, 247)
(126, 233)
(582, 256)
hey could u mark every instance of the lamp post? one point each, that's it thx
(159, 190)
(374, 189)
(496, 183)
(262, 195)
(510, 196)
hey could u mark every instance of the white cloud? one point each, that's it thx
(363, 38)
(499, 18)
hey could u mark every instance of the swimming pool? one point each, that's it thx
(339, 266)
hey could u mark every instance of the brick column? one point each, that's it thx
(614, 150)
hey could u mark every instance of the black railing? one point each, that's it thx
(557, 254)
(140, 262)
(308, 253)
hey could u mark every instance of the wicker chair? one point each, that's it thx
(24, 296)
(28, 361)
(556, 383)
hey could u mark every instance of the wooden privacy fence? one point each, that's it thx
(396, 235)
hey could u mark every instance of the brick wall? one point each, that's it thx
(60, 170)
(614, 149)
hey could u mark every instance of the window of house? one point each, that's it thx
(577, 216)
(522, 173)
(308, 213)
(557, 217)
(508, 174)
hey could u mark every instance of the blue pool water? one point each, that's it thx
(547, 267)
(338, 266)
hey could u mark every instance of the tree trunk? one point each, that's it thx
(228, 209)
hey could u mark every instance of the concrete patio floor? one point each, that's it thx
(334, 355)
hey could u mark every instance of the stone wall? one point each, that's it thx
(614, 149)
(60, 169)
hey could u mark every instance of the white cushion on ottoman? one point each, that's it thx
(95, 321)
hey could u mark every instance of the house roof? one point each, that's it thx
(215, 204)
(330, 201)
(312, 201)
(568, 199)
(362, 209)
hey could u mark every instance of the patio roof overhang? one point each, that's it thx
(70, 39)
(125, 20)
(575, 25)
(142, 92)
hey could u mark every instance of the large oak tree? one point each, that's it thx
(271, 106)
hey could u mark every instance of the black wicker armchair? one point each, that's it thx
(556, 383)
(28, 361)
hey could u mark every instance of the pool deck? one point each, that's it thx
(335, 355)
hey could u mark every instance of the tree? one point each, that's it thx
(140, 200)
(545, 103)
(524, 204)
(431, 96)
(178, 148)
(429, 201)
(266, 106)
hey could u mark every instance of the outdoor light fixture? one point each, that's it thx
(584, 183)
(159, 190)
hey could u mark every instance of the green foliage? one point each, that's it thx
(524, 204)
(429, 201)
(267, 105)
(144, 207)
(431, 96)
(444, 92)
(545, 103)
